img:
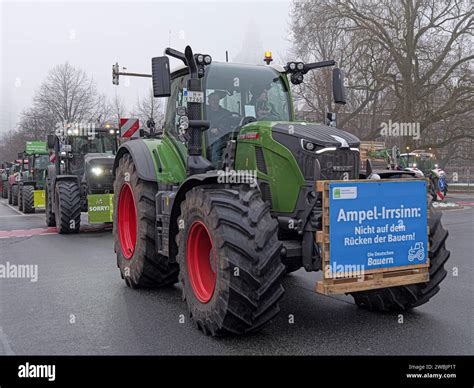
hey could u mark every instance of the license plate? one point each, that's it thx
(197, 97)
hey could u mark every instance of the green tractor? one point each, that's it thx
(31, 193)
(14, 176)
(80, 178)
(188, 207)
(4, 178)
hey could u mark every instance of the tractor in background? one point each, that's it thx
(14, 177)
(31, 193)
(5, 170)
(426, 163)
(80, 180)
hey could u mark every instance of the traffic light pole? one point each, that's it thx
(116, 73)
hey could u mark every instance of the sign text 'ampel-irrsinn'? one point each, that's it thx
(377, 224)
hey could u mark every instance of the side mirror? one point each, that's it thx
(160, 73)
(51, 141)
(338, 89)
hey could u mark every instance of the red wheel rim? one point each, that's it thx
(127, 221)
(201, 262)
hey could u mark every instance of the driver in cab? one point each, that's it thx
(264, 109)
(216, 114)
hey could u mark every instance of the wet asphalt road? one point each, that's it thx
(80, 305)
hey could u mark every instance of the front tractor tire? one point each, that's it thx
(5, 189)
(20, 198)
(28, 199)
(134, 231)
(14, 195)
(10, 195)
(403, 298)
(68, 207)
(49, 208)
(229, 259)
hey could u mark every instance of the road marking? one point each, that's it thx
(45, 231)
(27, 233)
(465, 202)
(16, 215)
(6, 345)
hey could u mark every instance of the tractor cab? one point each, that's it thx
(233, 95)
(40, 161)
(86, 151)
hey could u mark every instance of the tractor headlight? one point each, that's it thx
(300, 66)
(203, 59)
(296, 78)
(97, 171)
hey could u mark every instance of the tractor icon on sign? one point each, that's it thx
(416, 252)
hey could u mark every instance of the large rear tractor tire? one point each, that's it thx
(20, 198)
(134, 231)
(10, 195)
(229, 259)
(28, 202)
(68, 207)
(403, 298)
(49, 212)
(14, 195)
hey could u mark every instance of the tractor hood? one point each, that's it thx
(321, 135)
(98, 173)
(321, 151)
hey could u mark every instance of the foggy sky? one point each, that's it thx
(35, 36)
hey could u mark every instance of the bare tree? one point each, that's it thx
(69, 95)
(149, 107)
(318, 37)
(407, 60)
(118, 108)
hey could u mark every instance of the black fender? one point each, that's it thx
(192, 181)
(141, 158)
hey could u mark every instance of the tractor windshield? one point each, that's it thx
(425, 162)
(101, 143)
(42, 162)
(233, 92)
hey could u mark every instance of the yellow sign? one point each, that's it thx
(39, 199)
